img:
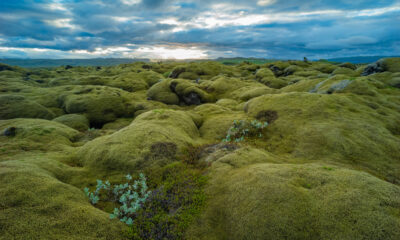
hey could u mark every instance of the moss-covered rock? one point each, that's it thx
(99, 104)
(326, 166)
(324, 67)
(35, 134)
(286, 201)
(255, 92)
(348, 65)
(162, 92)
(131, 147)
(264, 73)
(391, 64)
(333, 127)
(36, 205)
(345, 71)
(75, 121)
(15, 106)
(189, 93)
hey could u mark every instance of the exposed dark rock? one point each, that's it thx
(176, 72)
(276, 70)
(10, 132)
(372, 68)
(192, 99)
(172, 86)
(68, 67)
(4, 67)
(146, 66)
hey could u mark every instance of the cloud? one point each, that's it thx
(265, 2)
(176, 28)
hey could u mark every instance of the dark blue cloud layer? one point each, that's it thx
(287, 29)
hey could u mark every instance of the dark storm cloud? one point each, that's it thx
(259, 28)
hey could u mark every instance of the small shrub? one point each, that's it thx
(177, 199)
(267, 116)
(242, 129)
(130, 197)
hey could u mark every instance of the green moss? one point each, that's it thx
(274, 82)
(391, 64)
(291, 70)
(117, 124)
(53, 209)
(162, 92)
(36, 134)
(332, 127)
(129, 147)
(15, 106)
(326, 166)
(348, 65)
(99, 104)
(75, 121)
(324, 67)
(255, 92)
(345, 71)
(281, 201)
(184, 88)
(264, 73)
(225, 87)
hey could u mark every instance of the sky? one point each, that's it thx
(196, 29)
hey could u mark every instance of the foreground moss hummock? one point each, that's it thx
(326, 165)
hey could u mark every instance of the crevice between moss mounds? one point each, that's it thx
(178, 91)
(189, 98)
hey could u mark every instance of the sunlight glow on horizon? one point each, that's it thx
(150, 52)
(173, 53)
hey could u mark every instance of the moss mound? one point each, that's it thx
(99, 104)
(162, 92)
(333, 127)
(391, 64)
(53, 209)
(284, 201)
(15, 106)
(136, 146)
(75, 121)
(35, 134)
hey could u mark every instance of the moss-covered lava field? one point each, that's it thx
(324, 163)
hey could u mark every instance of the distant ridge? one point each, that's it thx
(361, 59)
(29, 63)
(33, 63)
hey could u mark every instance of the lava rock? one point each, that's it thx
(4, 67)
(10, 132)
(176, 72)
(372, 68)
(192, 99)
(276, 70)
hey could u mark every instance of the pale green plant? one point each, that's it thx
(130, 197)
(243, 128)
